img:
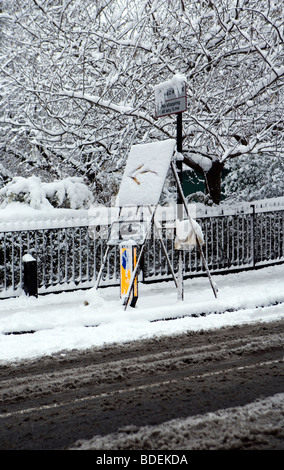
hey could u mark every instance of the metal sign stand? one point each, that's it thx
(131, 295)
(135, 271)
(167, 108)
(174, 105)
(193, 229)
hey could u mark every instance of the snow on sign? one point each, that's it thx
(145, 173)
(170, 96)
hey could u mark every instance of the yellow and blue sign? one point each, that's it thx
(128, 259)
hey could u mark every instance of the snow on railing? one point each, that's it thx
(69, 245)
(262, 205)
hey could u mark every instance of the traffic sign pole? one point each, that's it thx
(172, 99)
(180, 206)
(179, 161)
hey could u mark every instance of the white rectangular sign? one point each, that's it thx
(170, 98)
(145, 173)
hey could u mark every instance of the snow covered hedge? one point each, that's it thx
(69, 193)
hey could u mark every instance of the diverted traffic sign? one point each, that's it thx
(170, 97)
(128, 259)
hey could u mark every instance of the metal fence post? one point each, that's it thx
(30, 275)
(253, 247)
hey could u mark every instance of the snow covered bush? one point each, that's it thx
(69, 193)
(254, 178)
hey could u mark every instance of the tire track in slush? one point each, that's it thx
(52, 402)
(137, 388)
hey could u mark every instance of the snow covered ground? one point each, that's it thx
(82, 319)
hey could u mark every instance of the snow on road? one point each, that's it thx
(233, 428)
(83, 319)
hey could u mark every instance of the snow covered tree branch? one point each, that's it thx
(78, 83)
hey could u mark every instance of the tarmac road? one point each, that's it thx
(121, 396)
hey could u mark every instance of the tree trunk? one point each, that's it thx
(212, 178)
(213, 181)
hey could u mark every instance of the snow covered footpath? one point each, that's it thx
(83, 319)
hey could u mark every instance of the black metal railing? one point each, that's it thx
(70, 257)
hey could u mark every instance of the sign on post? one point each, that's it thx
(128, 259)
(171, 97)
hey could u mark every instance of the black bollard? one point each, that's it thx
(30, 275)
